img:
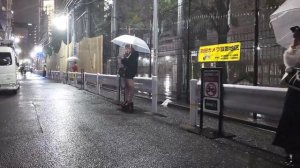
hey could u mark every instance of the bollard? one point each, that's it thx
(118, 98)
(75, 78)
(154, 94)
(98, 85)
(194, 116)
(83, 83)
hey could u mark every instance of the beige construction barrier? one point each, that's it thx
(90, 55)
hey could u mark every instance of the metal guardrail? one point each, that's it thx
(266, 101)
(108, 80)
(143, 84)
(254, 99)
(95, 82)
(39, 72)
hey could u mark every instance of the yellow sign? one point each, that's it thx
(220, 52)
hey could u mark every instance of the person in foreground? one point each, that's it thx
(130, 63)
(288, 131)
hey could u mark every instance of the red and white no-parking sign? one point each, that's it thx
(212, 100)
(211, 79)
(211, 89)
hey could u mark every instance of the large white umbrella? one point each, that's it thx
(285, 17)
(137, 43)
(72, 59)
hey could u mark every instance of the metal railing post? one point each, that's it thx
(194, 116)
(83, 79)
(154, 94)
(119, 85)
(76, 82)
(98, 85)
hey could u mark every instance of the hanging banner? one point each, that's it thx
(220, 52)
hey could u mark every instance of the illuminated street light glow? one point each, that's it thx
(38, 49)
(17, 40)
(168, 58)
(18, 50)
(27, 61)
(32, 54)
(60, 22)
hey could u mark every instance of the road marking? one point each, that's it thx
(37, 117)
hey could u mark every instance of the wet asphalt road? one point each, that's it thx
(50, 124)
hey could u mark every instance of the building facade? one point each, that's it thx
(6, 16)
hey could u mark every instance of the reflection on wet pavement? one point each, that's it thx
(166, 86)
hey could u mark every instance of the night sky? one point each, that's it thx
(25, 11)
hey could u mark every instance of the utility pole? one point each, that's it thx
(113, 35)
(8, 28)
(188, 54)
(68, 31)
(255, 62)
(150, 45)
(181, 53)
(179, 18)
(256, 31)
(88, 20)
(40, 5)
(154, 53)
(73, 33)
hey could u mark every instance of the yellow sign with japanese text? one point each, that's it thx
(220, 52)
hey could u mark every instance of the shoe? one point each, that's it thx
(288, 160)
(292, 161)
(128, 107)
(123, 103)
(289, 164)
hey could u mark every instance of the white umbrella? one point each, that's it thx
(72, 59)
(285, 17)
(137, 43)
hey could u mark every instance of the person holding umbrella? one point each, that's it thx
(133, 45)
(288, 131)
(130, 65)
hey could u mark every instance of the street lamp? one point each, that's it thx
(61, 22)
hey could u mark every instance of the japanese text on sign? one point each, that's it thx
(220, 52)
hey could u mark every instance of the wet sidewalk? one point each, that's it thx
(251, 138)
(50, 124)
(253, 145)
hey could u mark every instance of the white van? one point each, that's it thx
(8, 68)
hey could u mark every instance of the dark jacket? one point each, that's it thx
(131, 65)
(288, 131)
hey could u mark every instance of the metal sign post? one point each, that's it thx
(212, 100)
